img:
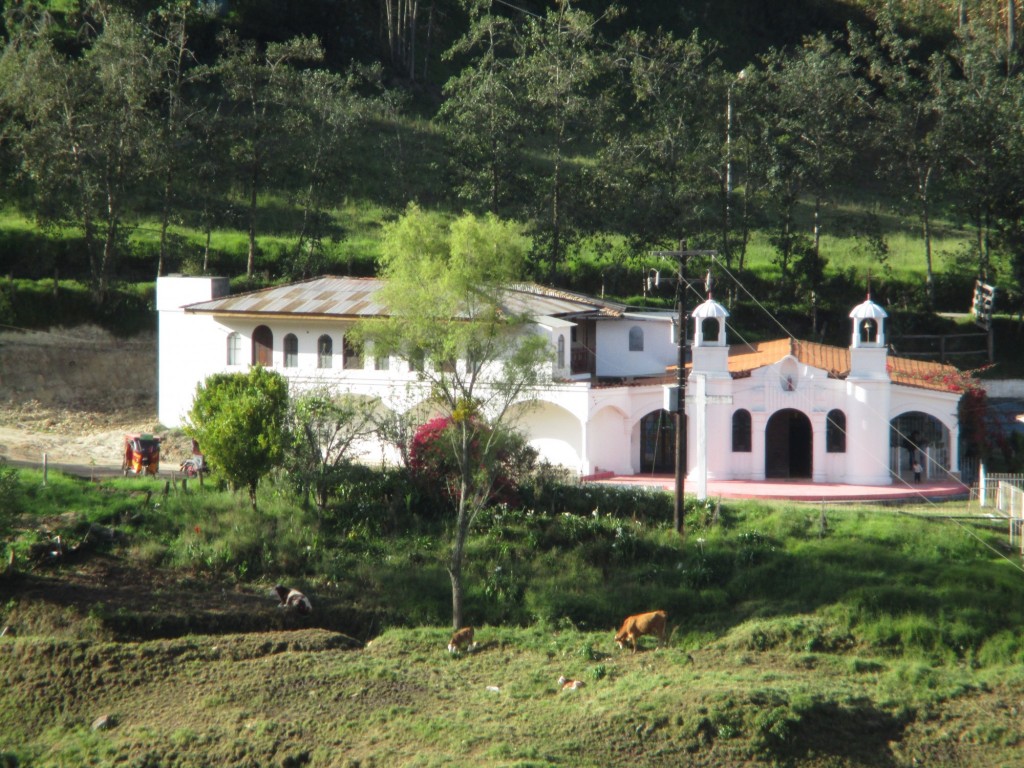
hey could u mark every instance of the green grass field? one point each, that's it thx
(875, 636)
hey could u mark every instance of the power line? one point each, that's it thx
(805, 401)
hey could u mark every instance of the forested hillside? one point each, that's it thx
(816, 145)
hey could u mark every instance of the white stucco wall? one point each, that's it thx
(190, 347)
(612, 347)
(553, 431)
(577, 424)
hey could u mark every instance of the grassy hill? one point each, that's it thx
(799, 635)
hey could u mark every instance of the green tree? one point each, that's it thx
(905, 115)
(82, 121)
(809, 104)
(239, 420)
(445, 293)
(329, 109)
(979, 107)
(662, 159)
(559, 62)
(260, 89)
(482, 116)
(171, 149)
(322, 429)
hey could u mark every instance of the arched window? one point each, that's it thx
(263, 346)
(324, 352)
(868, 331)
(636, 339)
(234, 348)
(291, 351)
(835, 432)
(351, 353)
(417, 360)
(741, 431)
(709, 328)
(561, 350)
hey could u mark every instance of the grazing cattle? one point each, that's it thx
(570, 685)
(634, 627)
(293, 601)
(462, 640)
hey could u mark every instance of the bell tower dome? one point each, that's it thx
(710, 348)
(868, 349)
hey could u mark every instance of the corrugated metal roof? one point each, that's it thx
(321, 297)
(356, 297)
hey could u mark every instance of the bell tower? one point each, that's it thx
(710, 347)
(868, 351)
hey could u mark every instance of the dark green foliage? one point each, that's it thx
(755, 575)
(239, 420)
(47, 303)
(11, 501)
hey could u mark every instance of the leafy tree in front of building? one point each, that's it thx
(239, 421)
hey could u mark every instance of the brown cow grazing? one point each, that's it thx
(634, 627)
(462, 640)
(293, 601)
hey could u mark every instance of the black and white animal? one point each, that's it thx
(293, 601)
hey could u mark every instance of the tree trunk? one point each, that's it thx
(1011, 30)
(556, 229)
(926, 233)
(165, 218)
(458, 554)
(816, 267)
(250, 265)
(206, 251)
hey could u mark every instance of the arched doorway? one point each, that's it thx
(788, 441)
(263, 346)
(916, 435)
(658, 442)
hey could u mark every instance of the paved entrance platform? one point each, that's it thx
(805, 490)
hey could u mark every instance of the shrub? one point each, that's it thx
(434, 463)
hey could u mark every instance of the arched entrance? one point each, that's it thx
(917, 435)
(658, 442)
(788, 441)
(263, 346)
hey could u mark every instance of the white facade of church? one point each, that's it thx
(752, 412)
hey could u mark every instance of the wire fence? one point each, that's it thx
(1005, 492)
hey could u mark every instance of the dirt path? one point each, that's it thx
(72, 394)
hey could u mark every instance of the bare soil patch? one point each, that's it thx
(73, 393)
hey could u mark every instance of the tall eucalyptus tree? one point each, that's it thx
(259, 87)
(663, 156)
(179, 110)
(483, 118)
(559, 61)
(811, 102)
(979, 117)
(328, 109)
(81, 126)
(904, 135)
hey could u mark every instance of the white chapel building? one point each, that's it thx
(777, 409)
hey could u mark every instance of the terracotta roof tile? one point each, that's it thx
(745, 358)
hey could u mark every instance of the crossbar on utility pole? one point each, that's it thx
(682, 256)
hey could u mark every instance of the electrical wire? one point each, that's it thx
(805, 400)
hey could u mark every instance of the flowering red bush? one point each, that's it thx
(434, 461)
(431, 453)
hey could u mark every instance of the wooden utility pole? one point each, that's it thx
(682, 257)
